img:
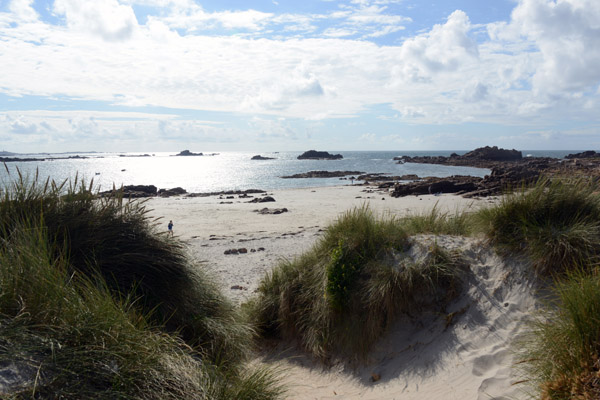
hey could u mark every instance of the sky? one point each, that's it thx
(283, 75)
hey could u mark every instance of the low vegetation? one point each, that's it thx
(555, 224)
(95, 304)
(562, 355)
(338, 298)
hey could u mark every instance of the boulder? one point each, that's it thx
(265, 199)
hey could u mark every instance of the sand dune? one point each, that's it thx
(423, 357)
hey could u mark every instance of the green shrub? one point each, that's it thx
(342, 295)
(562, 354)
(556, 224)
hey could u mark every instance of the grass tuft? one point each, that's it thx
(562, 354)
(340, 297)
(555, 223)
(95, 304)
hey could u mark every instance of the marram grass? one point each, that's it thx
(561, 356)
(337, 299)
(83, 313)
(555, 224)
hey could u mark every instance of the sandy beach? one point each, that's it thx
(422, 358)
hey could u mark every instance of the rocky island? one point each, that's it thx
(323, 174)
(319, 155)
(259, 157)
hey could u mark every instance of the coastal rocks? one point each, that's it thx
(188, 153)
(271, 211)
(584, 154)
(171, 192)
(452, 184)
(135, 191)
(491, 154)
(240, 193)
(319, 155)
(265, 199)
(482, 157)
(259, 157)
(323, 174)
(242, 250)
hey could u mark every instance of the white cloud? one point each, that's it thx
(539, 67)
(107, 18)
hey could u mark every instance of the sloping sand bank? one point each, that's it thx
(464, 354)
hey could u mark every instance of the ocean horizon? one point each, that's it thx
(223, 171)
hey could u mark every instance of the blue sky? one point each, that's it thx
(164, 75)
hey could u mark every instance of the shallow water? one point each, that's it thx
(228, 170)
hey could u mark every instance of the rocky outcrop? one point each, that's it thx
(188, 153)
(323, 174)
(584, 154)
(132, 191)
(240, 193)
(259, 157)
(483, 157)
(171, 192)
(488, 153)
(319, 155)
(452, 184)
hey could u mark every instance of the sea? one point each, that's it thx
(216, 172)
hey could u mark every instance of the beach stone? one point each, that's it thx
(243, 250)
(265, 199)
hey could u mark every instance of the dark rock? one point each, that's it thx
(271, 211)
(323, 174)
(188, 153)
(493, 154)
(243, 250)
(584, 154)
(265, 199)
(226, 192)
(259, 157)
(171, 192)
(319, 155)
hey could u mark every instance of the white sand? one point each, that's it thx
(419, 358)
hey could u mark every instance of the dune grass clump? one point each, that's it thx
(562, 355)
(555, 223)
(342, 295)
(94, 303)
(439, 223)
(77, 341)
(114, 238)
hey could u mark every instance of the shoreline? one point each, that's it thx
(213, 225)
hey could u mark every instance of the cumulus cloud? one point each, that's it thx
(538, 67)
(107, 18)
(567, 33)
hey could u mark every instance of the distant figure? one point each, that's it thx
(170, 226)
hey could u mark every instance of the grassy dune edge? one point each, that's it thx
(95, 304)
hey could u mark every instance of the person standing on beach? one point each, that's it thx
(170, 226)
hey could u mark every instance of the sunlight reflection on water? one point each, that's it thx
(225, 171)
